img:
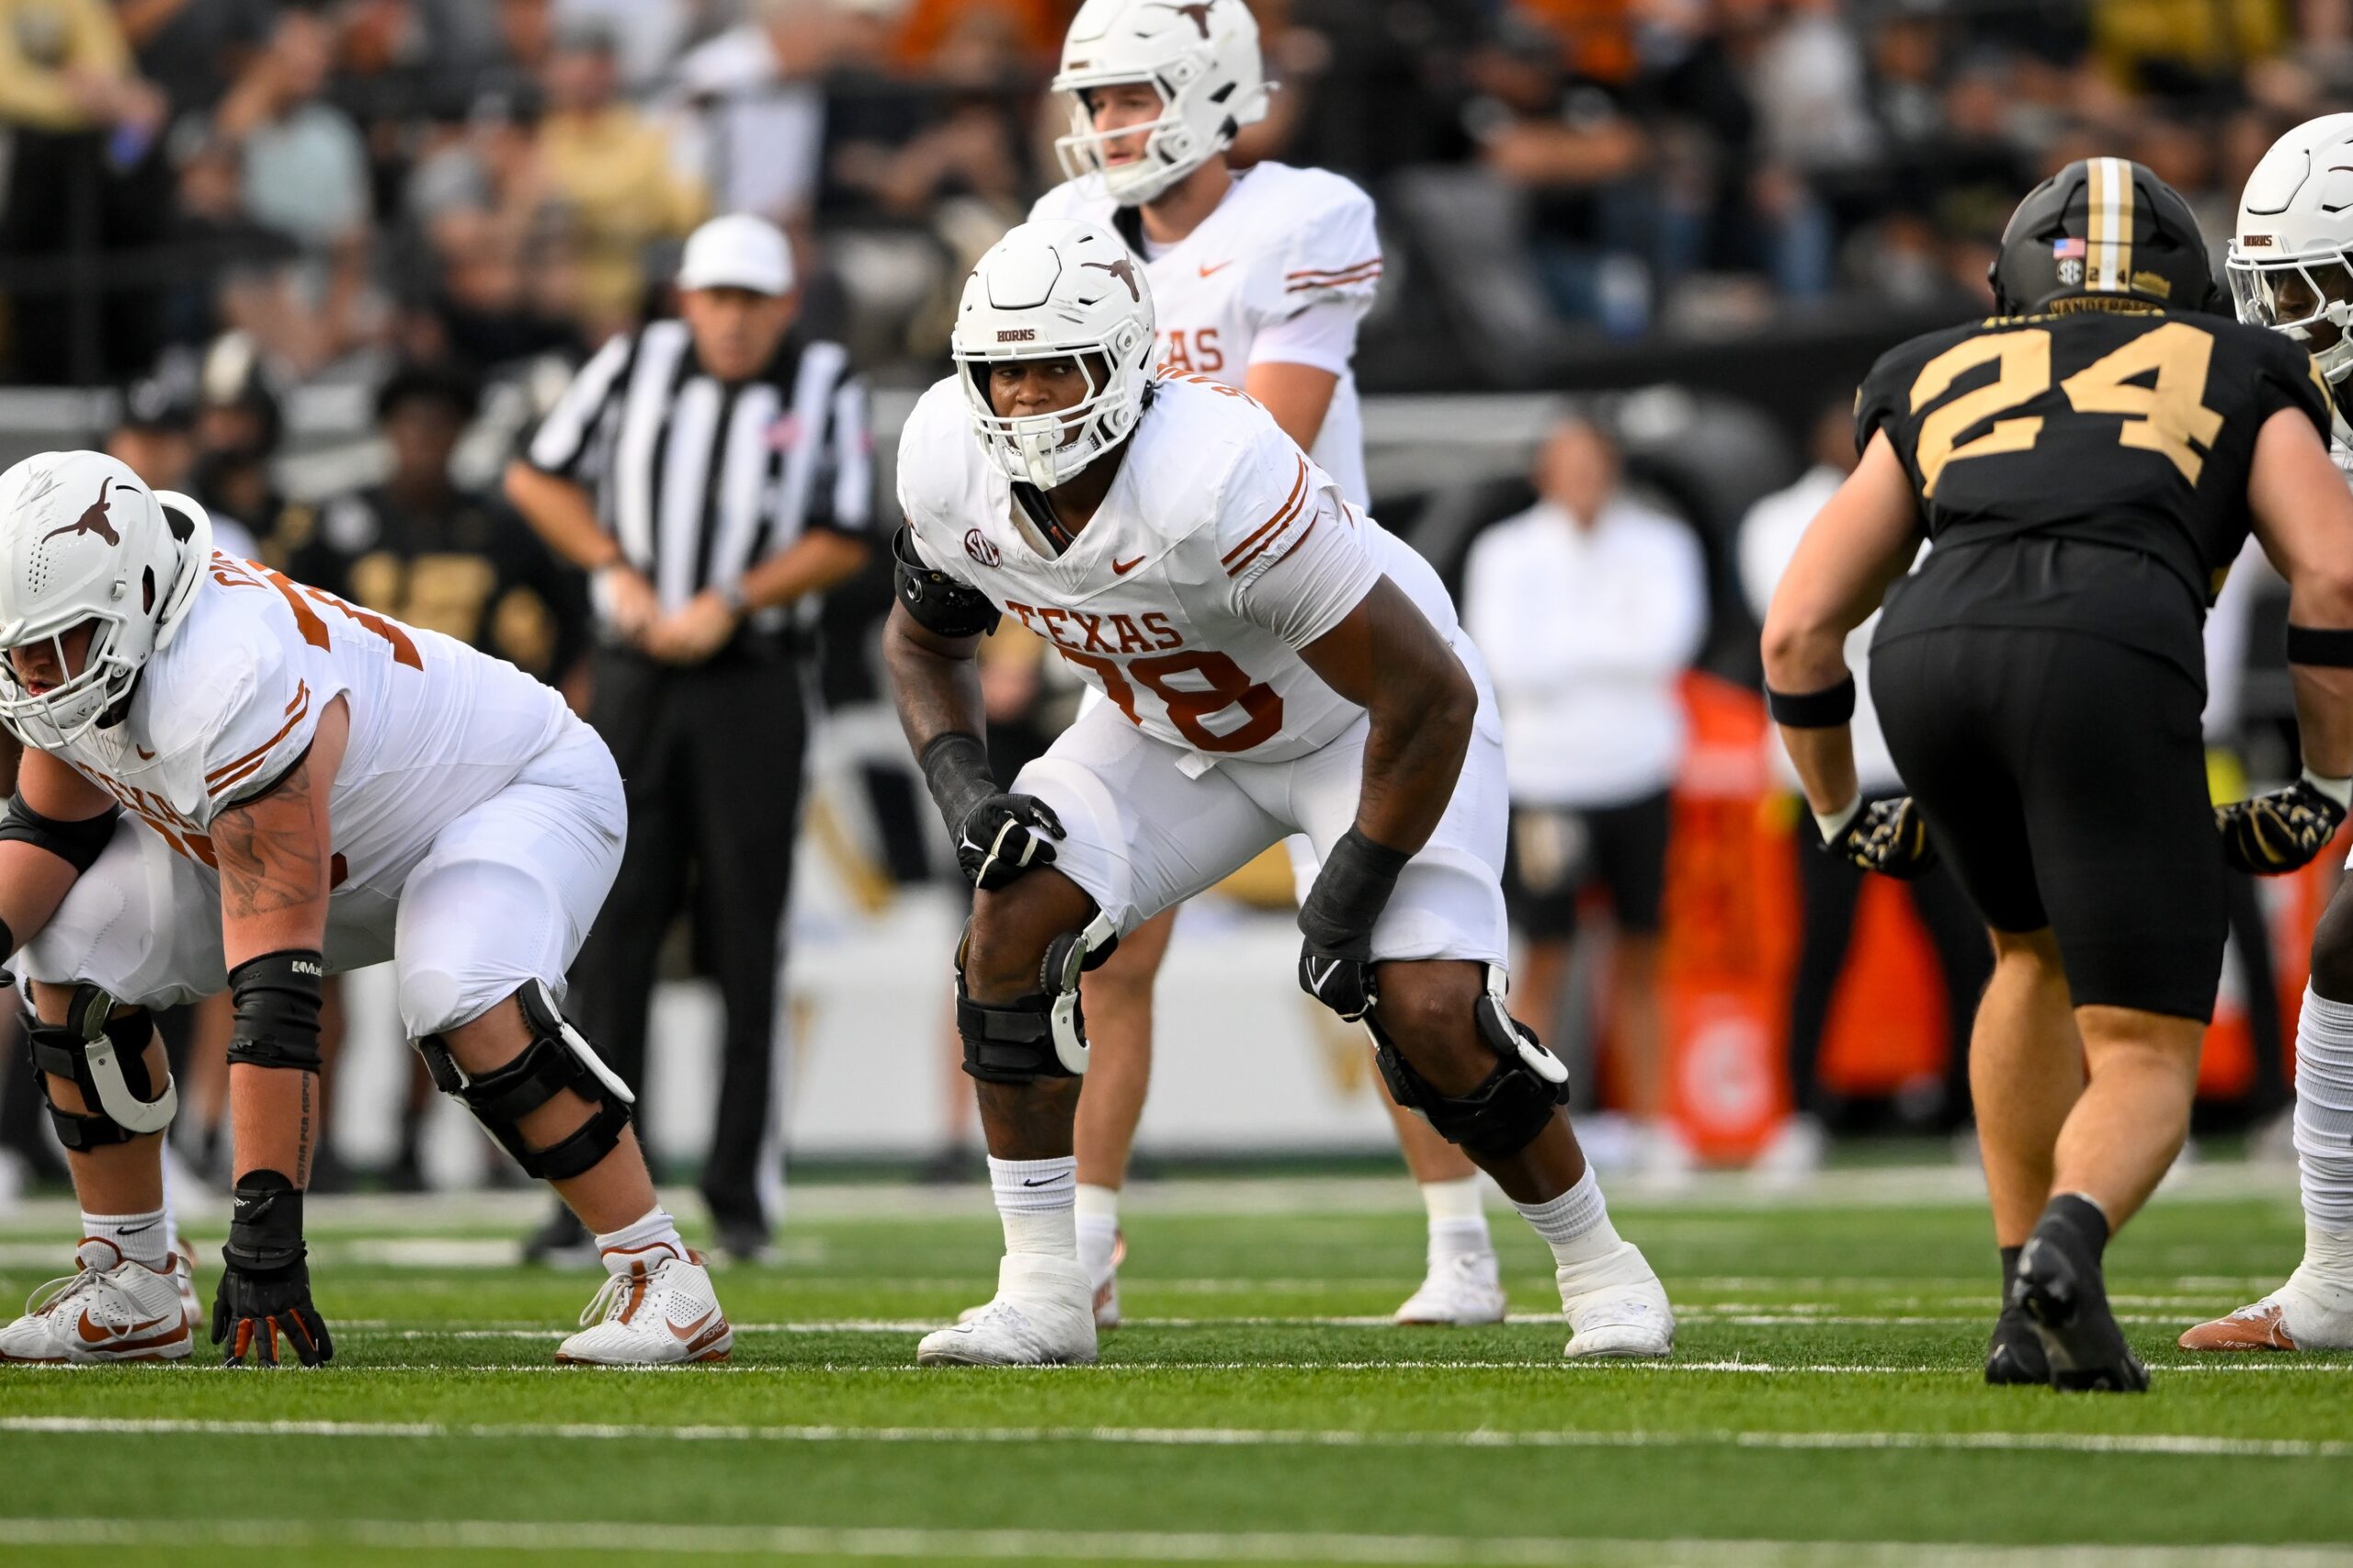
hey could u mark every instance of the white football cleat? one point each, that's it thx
(659, 1311)
(184, 1272)
(1462, 1289)
(2306, 1313)
(1042, 1315)
(1107, 1288)
(110, 1309)
(1616, 1307)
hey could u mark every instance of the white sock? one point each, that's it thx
(1034, 1201)
(144, 1238)
(1575, 1225)
(619, 1248)
(1097, 1211)
(2325, 1113)
(1458, 1219)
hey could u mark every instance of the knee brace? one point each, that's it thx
(1511, 1105)
(106, 1059)
(558, 1058)
(1042, 1034)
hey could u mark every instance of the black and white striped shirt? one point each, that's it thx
(697, 479)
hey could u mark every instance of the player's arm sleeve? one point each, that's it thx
(1294, 554)
(259, 725)
(562, 442)
(2290, 378)
(1306, 303)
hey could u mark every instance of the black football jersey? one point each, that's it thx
(2086, 470)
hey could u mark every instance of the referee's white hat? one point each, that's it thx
(738, 251)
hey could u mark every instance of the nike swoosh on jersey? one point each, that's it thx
(1221, 267)
(1121, 568)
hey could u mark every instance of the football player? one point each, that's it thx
(231, 781)
(2087, 464)
(1259, 278)
(1273, 663)
(2289, 270)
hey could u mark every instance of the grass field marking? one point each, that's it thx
(2168, 1445)
(1123, 1546)
(2232, 1365)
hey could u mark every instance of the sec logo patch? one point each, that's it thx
(980, 549)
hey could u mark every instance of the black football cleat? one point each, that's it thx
(2060, 1289)
(2015, 1354)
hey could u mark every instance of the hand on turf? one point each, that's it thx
(1887, 836)
(1004, 836)
(254, 1310)
(1341, 980)
(2282, 831)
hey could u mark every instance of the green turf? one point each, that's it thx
(1826, 1393)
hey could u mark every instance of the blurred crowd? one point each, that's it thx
(481, 181)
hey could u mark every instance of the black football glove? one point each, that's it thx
(1337, 918)
(2279, 831)
(1888, 836)
(265, 1294)
(1004, 836)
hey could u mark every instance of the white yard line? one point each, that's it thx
(2220, 1365)
(2169, 1445)
(1118, 1546)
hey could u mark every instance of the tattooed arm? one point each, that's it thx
(274, 851)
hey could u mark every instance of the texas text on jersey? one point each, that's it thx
(1281, 269)
(2012, 428)
(233, 701)
(1218, 551)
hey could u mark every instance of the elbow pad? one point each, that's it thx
(936, 601)
(76, 842)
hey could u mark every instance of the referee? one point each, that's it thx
(713, 474)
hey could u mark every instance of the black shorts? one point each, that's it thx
(2064, 777)
(1556, 852)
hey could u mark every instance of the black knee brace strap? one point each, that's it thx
(1042, 1034)
(1511, 1105)
(558, 1058)
(106, 1059)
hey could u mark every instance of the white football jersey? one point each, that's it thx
(1220, 550)
(1235, 292)
(234, 701)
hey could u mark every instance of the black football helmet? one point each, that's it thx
(2103, 227)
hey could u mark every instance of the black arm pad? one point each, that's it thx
(76, 842)
(937, 602)
(1350, 891)
(278, 1010)
(1824, 709)
(2319, 645)
(956, 769)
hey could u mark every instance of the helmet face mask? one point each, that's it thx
(1201, 60)
(2307, 299)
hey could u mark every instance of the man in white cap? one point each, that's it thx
(713, 474)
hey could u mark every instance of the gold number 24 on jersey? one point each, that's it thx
(2165, 417)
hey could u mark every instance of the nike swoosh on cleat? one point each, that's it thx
(93, 1335)
(688, 1334)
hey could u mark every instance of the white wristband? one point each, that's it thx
(1833, 823)
(2337, 790)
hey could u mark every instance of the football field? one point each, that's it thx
(1824, 1405)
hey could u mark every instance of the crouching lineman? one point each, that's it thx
(2088, 464)
(1274, 663)
(230, 781)
(2291, 268)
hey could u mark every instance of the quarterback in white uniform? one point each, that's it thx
(230, 781)
(1260, 279)
(2291, 267)
(1231, 605)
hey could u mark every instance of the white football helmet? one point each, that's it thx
(1202, 58)
(81, 538)
(2288, 265)
(1050, 291)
